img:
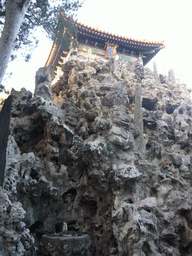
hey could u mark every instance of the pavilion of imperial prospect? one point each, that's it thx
(85, 42)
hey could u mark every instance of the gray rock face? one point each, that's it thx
(43, 79)
(182, 123)
(116, 97)
(15, 238)
(76, 182)
(138, 117)
(121, 138)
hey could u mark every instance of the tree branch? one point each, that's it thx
(29, 18)
(22, 3)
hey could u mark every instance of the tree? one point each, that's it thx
(20, 17)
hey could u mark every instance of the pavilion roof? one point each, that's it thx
(148, 49)
(96, 33)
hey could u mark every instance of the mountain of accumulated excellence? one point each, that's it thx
(99, 164)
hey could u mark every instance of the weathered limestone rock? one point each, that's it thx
(118, 96)
(43, 79)
(182, 123)
(155, 72)
(75, 182)
(15, 238)
(138, 119)
(171, 77)
(163, 96)
(121, 138)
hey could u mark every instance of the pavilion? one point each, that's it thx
(94, 43)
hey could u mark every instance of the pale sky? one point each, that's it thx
(166, 20)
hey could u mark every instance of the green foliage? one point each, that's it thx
(65, 34)
(41, 13)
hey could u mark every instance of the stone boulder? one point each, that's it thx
(121, 138)
(43, 79)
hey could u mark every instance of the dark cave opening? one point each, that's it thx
(148, 145)
(34, 228)
(170, 240)
(148, 104)
(170, 108)
(69, 196)
(184, 145)
(171, 136)
(58, 227)
(151, 125)
(180, 111)
(130, 201)
(27, 140)
(72, 225)
(186, 251)
(34, 174)
(146, 249)
(90, 205)
(80, 84)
